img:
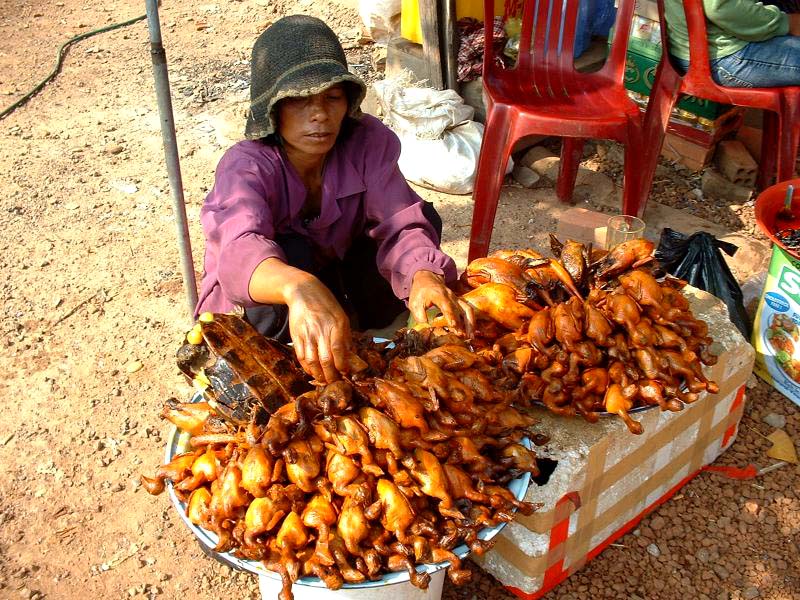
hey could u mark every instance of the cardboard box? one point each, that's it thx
(607, 479)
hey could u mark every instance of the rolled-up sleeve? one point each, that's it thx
(238, 223)
(407, 242)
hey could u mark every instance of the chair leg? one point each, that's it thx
(768, 164)
(492, 162)
(571, 154)
(789, 136)
(644, 146)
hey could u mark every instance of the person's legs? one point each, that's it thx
(773, 63)
(369, 293)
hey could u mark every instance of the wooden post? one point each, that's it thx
(449, 48)
(429, 21)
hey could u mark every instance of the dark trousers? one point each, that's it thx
(355, 281)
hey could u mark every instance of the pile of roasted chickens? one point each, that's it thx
(588, 332)
(397, 464)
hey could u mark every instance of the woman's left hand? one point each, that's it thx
(429, 289)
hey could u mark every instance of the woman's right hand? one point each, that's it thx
(319, 328)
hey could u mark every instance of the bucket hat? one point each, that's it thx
(297, 55)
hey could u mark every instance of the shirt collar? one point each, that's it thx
(341, 174)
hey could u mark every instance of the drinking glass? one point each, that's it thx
(622, 228)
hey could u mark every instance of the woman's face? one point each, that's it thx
(310, 124)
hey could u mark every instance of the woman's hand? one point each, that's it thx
(429, 289)
(319, 328)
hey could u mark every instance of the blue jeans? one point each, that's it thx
(773, 63)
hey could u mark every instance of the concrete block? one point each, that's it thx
(714, 184)
(525, 176)
(535, 154)
(690, 154)
(472, 92)
(606, 479)
(583, 225)
(751, 138)
(735, 162)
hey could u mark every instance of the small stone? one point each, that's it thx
(752, 381)
(658, 522)
(751, 507)
(703, 555)
(775, 420)
(72, 206)
(654, 550)
(750, 593)
(547, 166)
(524, 176)
(721, 572)
(534, 154)
(113, 149)
(133, 366)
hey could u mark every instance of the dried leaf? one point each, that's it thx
(782, 447)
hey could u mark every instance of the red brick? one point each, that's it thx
(735, 162)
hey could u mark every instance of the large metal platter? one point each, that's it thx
(178, 442)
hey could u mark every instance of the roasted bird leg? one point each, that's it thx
(320, 514)
(400, 562)
(618, 400)
(427, 470)
(175, 470)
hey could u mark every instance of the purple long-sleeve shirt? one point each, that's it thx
(258, 194)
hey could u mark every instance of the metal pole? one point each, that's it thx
(171, 153)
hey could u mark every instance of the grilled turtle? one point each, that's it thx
(239, 368)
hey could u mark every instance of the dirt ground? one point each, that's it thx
(93, 311)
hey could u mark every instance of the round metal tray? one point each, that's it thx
(604, 413)
(178, 442)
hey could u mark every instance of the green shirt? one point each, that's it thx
(731, 25)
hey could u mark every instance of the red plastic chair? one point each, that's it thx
(543, 94)
(781, 105)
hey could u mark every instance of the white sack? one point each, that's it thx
(423, 112)
(447, 164)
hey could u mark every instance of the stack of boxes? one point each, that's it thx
(696, 124)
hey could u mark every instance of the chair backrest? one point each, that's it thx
(547, 40)
(699, 61)
(698, 80)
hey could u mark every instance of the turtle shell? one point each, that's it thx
(243, 367)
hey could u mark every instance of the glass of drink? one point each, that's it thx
(622, 228)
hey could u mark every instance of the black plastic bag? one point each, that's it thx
(697, 259)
